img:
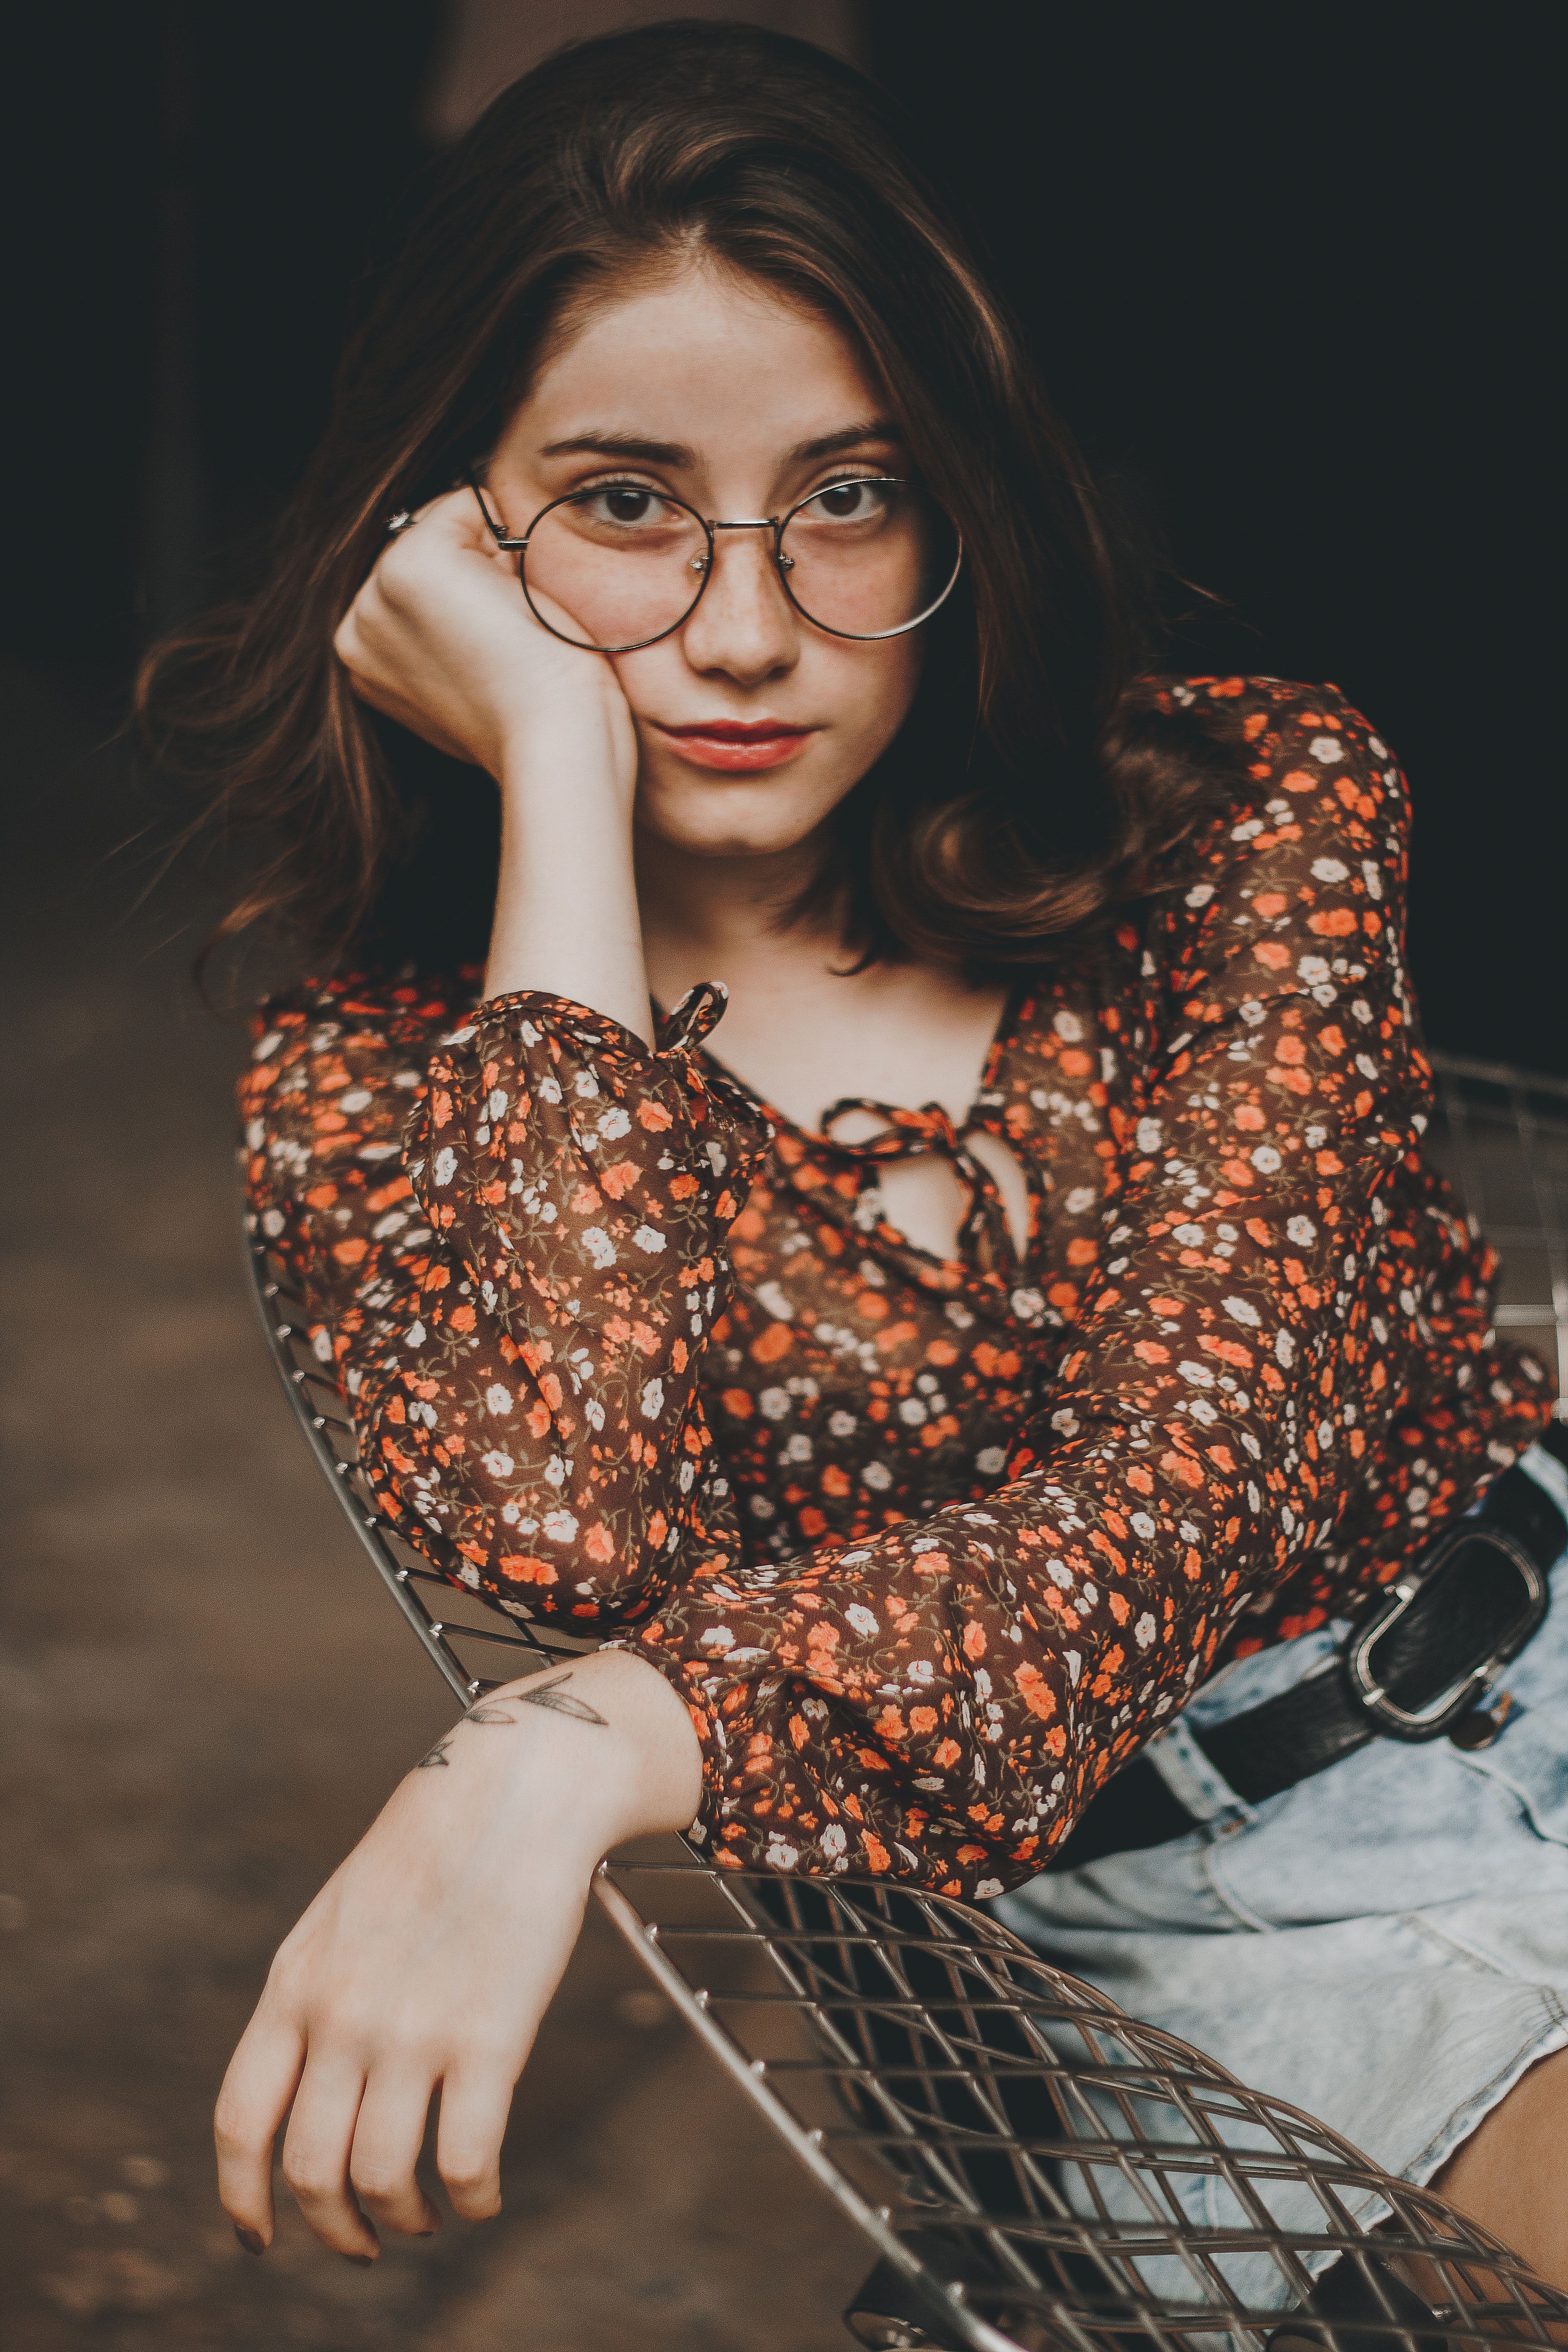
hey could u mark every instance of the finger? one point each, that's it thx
(316, 2153)
(476, 2100)
(251, 2105)
(388, 2139)
(457, 515)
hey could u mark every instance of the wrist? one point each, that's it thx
(589, 738)
(601, 1749)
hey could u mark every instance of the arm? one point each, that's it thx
(429, 1957)
(529, 1405)
(939, 1704)
(524, 1293)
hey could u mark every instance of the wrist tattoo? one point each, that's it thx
(552, 1695)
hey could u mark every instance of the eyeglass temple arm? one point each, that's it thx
(498, 530)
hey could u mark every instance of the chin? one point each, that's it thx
(734, 819)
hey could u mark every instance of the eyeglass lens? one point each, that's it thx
(862, 558)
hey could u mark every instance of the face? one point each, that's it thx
(752, 724)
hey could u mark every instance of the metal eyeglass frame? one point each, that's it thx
(777, 524)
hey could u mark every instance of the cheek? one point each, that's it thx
(867, 690)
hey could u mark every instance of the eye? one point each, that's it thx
(627, 506)
(862, 499)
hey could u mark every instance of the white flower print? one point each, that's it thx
(777, 1437)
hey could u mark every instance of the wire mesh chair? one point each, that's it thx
(1025, 2160)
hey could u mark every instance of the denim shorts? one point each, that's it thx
(1386, 1945)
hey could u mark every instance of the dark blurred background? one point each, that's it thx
(1287, 274)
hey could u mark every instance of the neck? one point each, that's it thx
(725, 912)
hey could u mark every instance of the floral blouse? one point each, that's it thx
(929, 1548)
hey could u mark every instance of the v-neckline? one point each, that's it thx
(1002, 1036)
(935, 1272)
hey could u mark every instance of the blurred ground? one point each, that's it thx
(203, 1698)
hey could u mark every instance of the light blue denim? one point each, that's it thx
(1386, 1945)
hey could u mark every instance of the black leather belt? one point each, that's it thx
(1416, 1669)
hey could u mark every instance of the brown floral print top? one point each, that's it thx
(928, 1546)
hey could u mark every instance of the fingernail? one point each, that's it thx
(362, 2260)
(251, 2240)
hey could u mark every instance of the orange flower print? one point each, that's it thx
(921, 1542)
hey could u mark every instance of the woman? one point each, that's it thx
(1041, 1306)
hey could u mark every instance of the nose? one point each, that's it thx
(744, 627)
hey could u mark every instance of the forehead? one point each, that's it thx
(697, 355)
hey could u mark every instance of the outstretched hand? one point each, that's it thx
(427, 1961)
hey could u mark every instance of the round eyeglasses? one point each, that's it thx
(867, 556)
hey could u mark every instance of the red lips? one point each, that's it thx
(738, 743)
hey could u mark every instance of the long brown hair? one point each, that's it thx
(1036, 786)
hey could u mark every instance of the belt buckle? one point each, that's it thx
(1441, 1712)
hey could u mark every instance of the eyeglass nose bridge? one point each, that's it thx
(747, 522)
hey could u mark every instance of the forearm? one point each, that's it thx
(566, 920)
(605, 1742)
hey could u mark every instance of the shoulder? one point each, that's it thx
(1300, 880)
(323, 1052)
(1321, 795)
(1307, 745)
(401, 1009)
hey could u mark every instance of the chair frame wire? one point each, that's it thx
(887, 2036)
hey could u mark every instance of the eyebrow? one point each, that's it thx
(637, 450)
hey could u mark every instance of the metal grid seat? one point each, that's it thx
(1031, 2166)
